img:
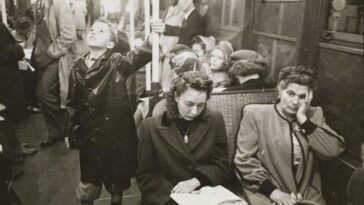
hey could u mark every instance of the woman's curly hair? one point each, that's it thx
(192, 79)
(299, 75)
(246, 67)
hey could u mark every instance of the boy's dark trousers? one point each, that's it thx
(48, 95)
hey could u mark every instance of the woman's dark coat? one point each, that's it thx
(164, 159)
(102, 108)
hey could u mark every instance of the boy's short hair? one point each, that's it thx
(113, 37)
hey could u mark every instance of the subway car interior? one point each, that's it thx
(88, 91)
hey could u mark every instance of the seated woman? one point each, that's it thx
(249, 69)
(218, 66)
(278, 144)
(184, 148)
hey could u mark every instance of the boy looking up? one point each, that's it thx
(102, 125)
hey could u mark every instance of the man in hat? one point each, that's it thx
(55, 34)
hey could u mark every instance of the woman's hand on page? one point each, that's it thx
(186, 186)
(281, 198)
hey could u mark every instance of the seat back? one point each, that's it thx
(230, 106)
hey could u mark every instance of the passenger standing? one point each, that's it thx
(102, 126)
(55, 34)
(11, 90)
(192, 24)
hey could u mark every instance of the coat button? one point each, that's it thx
(106, 118)
(93, 139)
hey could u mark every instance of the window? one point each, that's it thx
(346, 20)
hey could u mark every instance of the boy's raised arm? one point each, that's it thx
(134, 60)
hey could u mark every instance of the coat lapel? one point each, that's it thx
(198, 132)
(172, 137)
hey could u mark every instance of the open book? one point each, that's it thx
(307, 202)
(209, 196)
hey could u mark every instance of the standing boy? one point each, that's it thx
(102, 124)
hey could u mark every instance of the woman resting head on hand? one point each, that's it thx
(278, 144)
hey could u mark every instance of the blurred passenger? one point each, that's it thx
(226, 43)
(12, 94)
(185, 148)
(278, 145)
(202, 46)
(24, 34)
(53, 58)
(218, 66)
(7, 193)
(192, 25)
(249, 69)
(174, 17)
(203, 8)
(181, 59)
(356, 183)
(102, 125)
(79, 14)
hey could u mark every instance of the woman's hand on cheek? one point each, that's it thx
(186, 186)
(282, 198)
(301, 114)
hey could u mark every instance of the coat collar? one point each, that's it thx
(170, 133)
(166, 120)
(80, 62)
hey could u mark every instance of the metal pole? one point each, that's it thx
(106, 9)
(3, 12)
(155, 50)
(148, 69)
(131, 26)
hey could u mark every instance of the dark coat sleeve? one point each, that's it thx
(155, 188)
(10, 51)
(194, 26)
(134, 60)
(218, 170)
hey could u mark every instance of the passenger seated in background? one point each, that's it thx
(356, 183)
(249, 69)
(181, 59)
(218, 66)
(278, 145)
(202, 46)
(184, 148)
(102, 125)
